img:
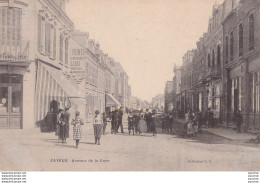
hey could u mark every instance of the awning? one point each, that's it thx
(111, 101)
(69, 87)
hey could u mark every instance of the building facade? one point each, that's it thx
(34, 62)
(168, 95)
(241, 30)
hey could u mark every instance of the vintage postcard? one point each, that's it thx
(129, 85)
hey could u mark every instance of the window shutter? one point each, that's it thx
(39, 31)
(54, 43)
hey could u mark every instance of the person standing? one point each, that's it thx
(147, 119)
(239, 121)
(114, 122)
(120, 120)
(153, 123)
(104, 123)
(131, 123)
(62, 132)
(58, 125)
(137, 119)
(66, 119)
(97, 124)
(77, 122)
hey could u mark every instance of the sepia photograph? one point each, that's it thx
(130, 85)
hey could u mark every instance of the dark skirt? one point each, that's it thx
(62, 133)
(97, 130)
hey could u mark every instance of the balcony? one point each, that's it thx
(213, 73)
(14, 54)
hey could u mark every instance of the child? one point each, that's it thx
(77, 129)
(131, 123)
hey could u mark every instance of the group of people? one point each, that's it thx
(134, 123)
(63, 123)
(62, 126)
(151, 119)
(191, 123)
(117, 121)
(167, 123)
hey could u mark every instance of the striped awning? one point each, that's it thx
(111, 101)
(51, 84)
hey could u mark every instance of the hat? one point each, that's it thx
(77, 113)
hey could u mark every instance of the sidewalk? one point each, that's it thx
(229, 133)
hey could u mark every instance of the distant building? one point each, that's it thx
(168, 95)
(158, 102)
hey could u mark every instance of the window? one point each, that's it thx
(209, 60)
(54, 43)
(61, 48)
(218, 56)
(231, 46)
(251, 32)
(254, 92)
(10, 19)
(241, 39)
(226, 49)
(66, 51)
(47, 38)
(213, 58)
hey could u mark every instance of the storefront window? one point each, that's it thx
(16, 99)
(3, 99)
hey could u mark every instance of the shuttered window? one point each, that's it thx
(10, 29)
(47, 38)
(251, 32)
(54, 43)
(66, 51)
(61, 48)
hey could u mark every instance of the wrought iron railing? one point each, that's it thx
(214, 71)
(15, 53)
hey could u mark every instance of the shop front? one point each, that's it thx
(111, 103)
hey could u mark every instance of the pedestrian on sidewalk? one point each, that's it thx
(131, 123)
(62, 132)
(59, 121)
(239, 121)
(77, 122)
(66, 119)
(120, 120)
(104, 123)
(97, 124)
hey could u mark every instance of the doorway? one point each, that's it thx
(11, 101)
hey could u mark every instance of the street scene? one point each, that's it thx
(129, 85)
(124, 152)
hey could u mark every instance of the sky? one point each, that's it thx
(146, 36)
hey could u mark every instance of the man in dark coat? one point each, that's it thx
(153, 123)
(131, 123)
(66, 119)
(114, 122)
(239, 121)
(147, 118)
(137, 119)
(120, 120)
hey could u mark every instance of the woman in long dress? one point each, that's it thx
(97, 124)
(77, 122)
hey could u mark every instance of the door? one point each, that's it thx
(10, 107)
(10, 102)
